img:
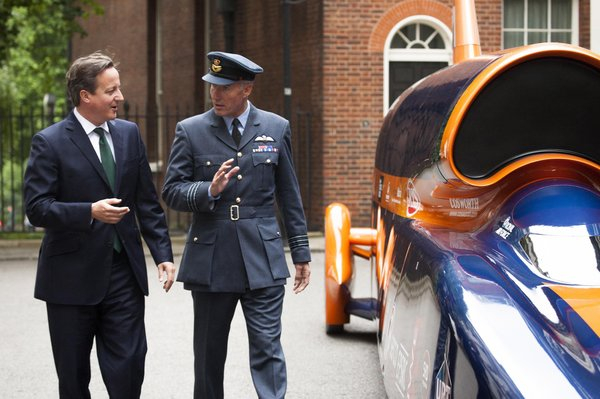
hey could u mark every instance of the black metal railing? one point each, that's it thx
(17, 127)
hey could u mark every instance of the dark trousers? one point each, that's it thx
(213, 313)
(117, 323)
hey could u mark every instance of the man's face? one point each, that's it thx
(230, 100)
(101, 105)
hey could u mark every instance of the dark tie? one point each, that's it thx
(235, 133)
(108, 163)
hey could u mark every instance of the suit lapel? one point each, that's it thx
(82, 141)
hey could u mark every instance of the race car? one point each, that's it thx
(485, 232)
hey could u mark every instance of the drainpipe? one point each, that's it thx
(227, 9)
(287, 84)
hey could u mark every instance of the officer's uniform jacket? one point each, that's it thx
(234, 242)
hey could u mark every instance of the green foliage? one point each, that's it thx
(21, 235)
(34, 38)
(11, 200)
(34, 44)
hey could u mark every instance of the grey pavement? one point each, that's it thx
(319, 366)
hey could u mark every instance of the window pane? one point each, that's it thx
(513, 39)
(437, 42)
(537, 37)
(537, 14)
(514, 13)
(410, 31)
(563, 37)
(426, 31)
(398, 42)
(561, 14)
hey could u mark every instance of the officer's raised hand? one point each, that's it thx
(222, 177)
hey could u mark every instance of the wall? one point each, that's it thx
(121, 32)
(259, 36)
(337, 70)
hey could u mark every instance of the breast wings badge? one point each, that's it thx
(264, 138)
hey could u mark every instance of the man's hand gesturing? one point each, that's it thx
(222, 177)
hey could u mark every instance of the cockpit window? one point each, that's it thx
(565, 254)
(546, 105)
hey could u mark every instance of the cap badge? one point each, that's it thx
(216, 65)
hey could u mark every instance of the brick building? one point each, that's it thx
(342, 61)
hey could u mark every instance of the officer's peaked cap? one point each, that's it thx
(228, 68)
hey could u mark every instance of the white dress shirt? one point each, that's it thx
(88, 128)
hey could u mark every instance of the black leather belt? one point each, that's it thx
(236, 212)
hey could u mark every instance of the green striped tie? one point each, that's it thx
(108, 163)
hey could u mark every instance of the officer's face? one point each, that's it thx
(230, 100)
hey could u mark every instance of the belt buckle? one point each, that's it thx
(234, 212)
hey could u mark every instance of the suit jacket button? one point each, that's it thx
(207, 163)
(239, 177)
(238, 200)
(195, 239)
(239, 154)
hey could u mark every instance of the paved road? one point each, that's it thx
(319, 366)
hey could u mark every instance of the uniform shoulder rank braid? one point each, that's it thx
(298, 241)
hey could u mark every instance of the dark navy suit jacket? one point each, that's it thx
(63, 178)
(222, 254)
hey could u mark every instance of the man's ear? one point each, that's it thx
(248, 89)
(84, 96)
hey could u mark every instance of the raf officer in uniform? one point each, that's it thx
(228, 166)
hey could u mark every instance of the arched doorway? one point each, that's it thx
(416, 47)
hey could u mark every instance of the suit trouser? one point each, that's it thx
(213, 313)
(117, 323)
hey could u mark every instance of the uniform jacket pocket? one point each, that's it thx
(265, 164)
(205, 166)
(197, 259)
(272, 242)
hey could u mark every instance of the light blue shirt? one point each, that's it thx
(243, 118)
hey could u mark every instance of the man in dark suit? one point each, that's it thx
(228, 166)
(88, 183)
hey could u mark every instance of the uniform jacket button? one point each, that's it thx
(238, 200)
(195, 239)
(239, 154)
(207, 163)
(239, 177)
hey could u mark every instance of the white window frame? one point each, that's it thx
(414, 54)
(574, 24)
